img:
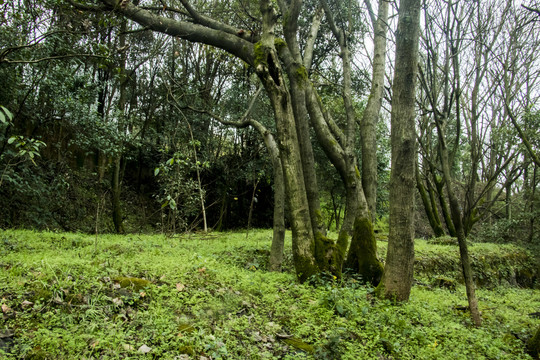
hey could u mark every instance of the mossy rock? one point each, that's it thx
(131, 282)
(533, 345)
(299, 344)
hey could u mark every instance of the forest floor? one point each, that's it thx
(209, 296)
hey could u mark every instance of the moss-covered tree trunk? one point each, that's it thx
(267, 66)
(398, 272)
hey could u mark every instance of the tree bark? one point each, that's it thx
(368, 128)
(267, 66)
(429, 206)
(115, 192)
(398, 273)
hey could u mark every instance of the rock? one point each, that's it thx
(144, 349)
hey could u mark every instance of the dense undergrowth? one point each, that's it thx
(74, 296)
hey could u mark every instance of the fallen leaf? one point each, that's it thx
(5, 308)
(142, 293)
(94, 344)
(180, 287)
(26, 303)
(128, 347)
(203, 269)
(117, 301)
(144, 349)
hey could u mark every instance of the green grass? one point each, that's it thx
(211, 296)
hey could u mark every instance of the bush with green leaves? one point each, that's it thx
(179, 193)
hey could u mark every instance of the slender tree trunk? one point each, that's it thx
(444, 207)
(398, 272)
(530, 204)
(464, 255)
(115, 192)
(116, 183)
(368, 128)
(431, 211)
(456, 213)
(278, 239)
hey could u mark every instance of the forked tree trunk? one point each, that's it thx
(430, 206)
(267, 66)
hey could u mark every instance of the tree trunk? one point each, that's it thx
(368, 128)
(115, 192)
(429, 206)
(267, 66)
(278, 239)
(465, 260)
(116, 183)
(508, 201)
(444, 207)
(398, 272)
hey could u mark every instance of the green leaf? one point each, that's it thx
(5, 113)
(156, 171)
(12, 139)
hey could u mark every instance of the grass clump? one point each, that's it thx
(199, 295)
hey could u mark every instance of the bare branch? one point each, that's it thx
(59, 57)
(536, 11)
(85, 7)
(523, 136)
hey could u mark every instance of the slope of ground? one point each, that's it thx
(67, 296)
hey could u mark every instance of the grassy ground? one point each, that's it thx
(72, 296)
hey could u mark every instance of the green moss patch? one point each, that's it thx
(299, 344)
(131, 283)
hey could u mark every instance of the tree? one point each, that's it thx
(273, 60)
(398, 272)
(373, 107)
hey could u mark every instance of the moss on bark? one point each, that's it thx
(328, 255)
(363, 252)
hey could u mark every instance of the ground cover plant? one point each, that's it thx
(210, 296)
